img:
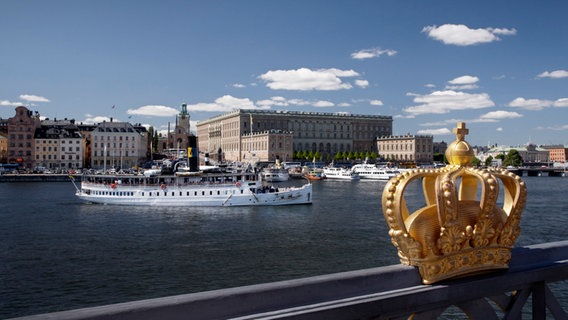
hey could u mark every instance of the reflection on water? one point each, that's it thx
(58, 253)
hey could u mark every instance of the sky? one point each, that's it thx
(499, 66)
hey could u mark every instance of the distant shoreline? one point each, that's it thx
(38, 177)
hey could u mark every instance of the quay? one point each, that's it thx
(391, 292)
(537, 172)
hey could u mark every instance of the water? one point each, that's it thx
(57, 253)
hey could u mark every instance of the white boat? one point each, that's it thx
(273, 174)
(371, 171)
(189, 189)
(340, 173)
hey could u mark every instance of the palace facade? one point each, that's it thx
(266, 135)
(411, 148)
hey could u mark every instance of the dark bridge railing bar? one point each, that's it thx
(392, 292)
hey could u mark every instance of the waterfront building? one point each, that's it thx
(439, 147)
(406, 148)
(557, 154)
(3, 148)
(228, 136)
(117, 145)
(58, 145)
(529, 153)
(21, 142)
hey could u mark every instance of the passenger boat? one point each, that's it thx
(371, 171)
(206, 189)
(273, 174)
(340, 173)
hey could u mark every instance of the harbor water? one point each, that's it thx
(57, 253)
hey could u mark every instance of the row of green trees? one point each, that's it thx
(339, 156)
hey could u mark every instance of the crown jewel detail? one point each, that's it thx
(461, 230)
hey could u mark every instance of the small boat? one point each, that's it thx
(203, 188)
(314, 175)
(371, 171)
(340, 173)
(275, 173)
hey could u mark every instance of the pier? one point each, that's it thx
(537, 172)
(391, 292)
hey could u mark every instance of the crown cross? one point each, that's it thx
(461, 131)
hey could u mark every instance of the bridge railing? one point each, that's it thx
(391, 292)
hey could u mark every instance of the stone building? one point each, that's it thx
(226, 136)
(407, 148)
(117, 145)
(3, 148)
(558, 154)
(58, 145)
(21, 142)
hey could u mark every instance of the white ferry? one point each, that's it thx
(371, 171)
(340, 173)
(189, 189)
(273, 174)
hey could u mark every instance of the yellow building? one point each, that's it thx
(407, 148)
(226, 136)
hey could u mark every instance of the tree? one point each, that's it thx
(513, 158)
(438, 157)
(475, 162)
(338, 156)
(488, 161)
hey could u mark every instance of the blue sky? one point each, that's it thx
(500, 66)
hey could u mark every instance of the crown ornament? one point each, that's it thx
(462, 229)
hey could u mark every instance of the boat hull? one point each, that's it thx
(215, 196)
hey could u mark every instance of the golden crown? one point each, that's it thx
(462, 230)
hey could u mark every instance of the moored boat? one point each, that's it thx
(273, 174)
(371, 171)
(340, 173)
(190, 189)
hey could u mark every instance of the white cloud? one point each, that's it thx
(461, 35)
(557, 74)
(530, 104)
(362, 83)
(33, 98)
(464, 80)
(499, 129)
(372, 53)
(6, 103)
(439, 102)
(91, 119)
(463, 83)
(430, 85)
(561, 103)
(238, 85)
(224, 104)
(279, 101)
(501, 114)
(305, 79)
(376, 102)
(323, 104)
(435, 132)
(154, 111)
(462, 87)
(344, 104)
